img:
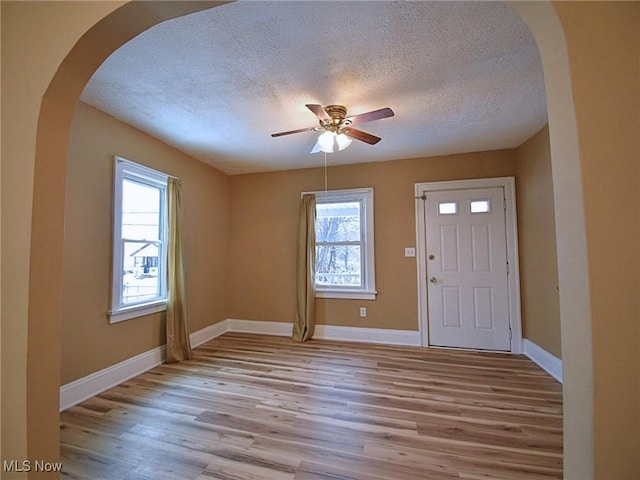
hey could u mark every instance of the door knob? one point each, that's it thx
(433, 280)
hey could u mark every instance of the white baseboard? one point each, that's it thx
(282, 329)
(330, 332)
(409, 338)
(545, 360)
(86, 387)
(79, 390)
(207, 333)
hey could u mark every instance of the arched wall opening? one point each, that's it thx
(47, 223)
(43, 355)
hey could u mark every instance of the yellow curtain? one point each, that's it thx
(178, 344)
(305, 319)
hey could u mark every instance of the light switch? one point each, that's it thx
(409, 252)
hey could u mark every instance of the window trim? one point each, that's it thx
(368, 290)
(126, 169)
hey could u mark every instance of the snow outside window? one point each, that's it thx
(344, 244)
(139, 241)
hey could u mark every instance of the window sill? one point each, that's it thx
(135, 311)
(359, 295)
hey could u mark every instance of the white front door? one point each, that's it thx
(467, 270)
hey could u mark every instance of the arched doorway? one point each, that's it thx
(47, 224)
(48, 214)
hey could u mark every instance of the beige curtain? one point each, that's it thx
(305, 319)
(178, 344)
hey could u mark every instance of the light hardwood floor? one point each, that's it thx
(262, 407)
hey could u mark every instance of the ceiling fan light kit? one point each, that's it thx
(331, 142)
(337, 127)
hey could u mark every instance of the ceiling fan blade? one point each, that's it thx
(360, 135)
(369, 116)
(319, 112)
(310, 129)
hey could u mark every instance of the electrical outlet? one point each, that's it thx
(409, 252)
(363, 311)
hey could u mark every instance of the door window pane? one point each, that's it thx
(448, 208)
(480, 206)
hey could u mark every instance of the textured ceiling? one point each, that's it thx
(460, 76)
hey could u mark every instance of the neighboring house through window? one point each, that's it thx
(139, 241)
(344, 244)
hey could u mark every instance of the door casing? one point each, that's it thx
(508, 184)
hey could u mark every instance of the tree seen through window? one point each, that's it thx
(339, 244)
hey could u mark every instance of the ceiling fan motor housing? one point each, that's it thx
(337, 114)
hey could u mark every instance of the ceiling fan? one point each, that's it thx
(338, 128)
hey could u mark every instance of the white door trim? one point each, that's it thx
(508, 184)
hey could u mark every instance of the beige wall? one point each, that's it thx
(264, 216)
(594, 178)
(43, 32)
(603, 41)
(539, 291)
(89, 342)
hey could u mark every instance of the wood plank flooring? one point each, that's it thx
(260, 408)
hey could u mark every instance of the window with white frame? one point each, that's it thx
(344, 244)
(139, 241)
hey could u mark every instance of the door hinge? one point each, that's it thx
(507, 268)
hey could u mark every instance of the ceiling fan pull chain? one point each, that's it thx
(325, 172)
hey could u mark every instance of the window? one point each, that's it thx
(448, 208)
(344, 244)
(480, 206)
(139, 241)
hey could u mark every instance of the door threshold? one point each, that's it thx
(468, 349)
